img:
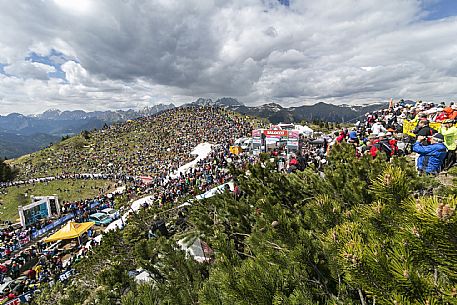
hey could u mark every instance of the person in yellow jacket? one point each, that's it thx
(449, 131)
(38, 269)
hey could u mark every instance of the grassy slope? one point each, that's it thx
(41, 157)
(66, 190)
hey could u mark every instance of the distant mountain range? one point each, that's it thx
(21, 134)
(275, 113)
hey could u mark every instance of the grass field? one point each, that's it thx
(66, 190)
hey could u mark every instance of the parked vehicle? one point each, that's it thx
(100, 219)
(112, 213)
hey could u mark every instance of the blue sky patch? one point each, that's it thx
(54, 59)
(440, 9)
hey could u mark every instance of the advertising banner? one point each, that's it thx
(292, 143)
(146, 179)
(22, 299)
(94, 204)
(53, 225)
(275, 133)
(271, 140)
(66, 275)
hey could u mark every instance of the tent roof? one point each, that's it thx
(70, 230)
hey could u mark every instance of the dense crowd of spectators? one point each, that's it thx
(157, 146)
(383, 133)
(153, 146)
(37, 265)
(26, 264)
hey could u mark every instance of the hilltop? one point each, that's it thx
(153, 145)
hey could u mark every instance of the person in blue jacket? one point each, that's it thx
(431, 157)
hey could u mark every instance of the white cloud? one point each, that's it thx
(119, 51)
(27, 69)
(76, 7)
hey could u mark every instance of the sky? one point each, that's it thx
(121, 54)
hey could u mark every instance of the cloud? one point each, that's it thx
(27, 69)
(114, 53)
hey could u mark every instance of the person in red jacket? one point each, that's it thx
(293, 164)
(341, 137)
(381, 145)
(447, 114)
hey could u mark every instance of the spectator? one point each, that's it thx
(431, 156)
(449, 131)
(424, 131)
(377, 127)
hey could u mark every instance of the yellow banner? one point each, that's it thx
(235, 150)
(408, 127)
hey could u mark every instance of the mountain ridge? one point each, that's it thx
(276, 113)
(52, 124)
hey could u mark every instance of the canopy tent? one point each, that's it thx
(197, 248)
(70, 230)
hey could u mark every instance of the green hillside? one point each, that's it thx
(66, 190)
(146, 146)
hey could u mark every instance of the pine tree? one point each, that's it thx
(366, 232)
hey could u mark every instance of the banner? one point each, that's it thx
(24, 240)
(94, 204)
(66, 275)
(52, 225)
(235, 150)
(292, 144)
(22, 299)
(275, 133)
(146, 179)
(408, 127)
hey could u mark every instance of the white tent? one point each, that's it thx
(197, 248)
(305, 130)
